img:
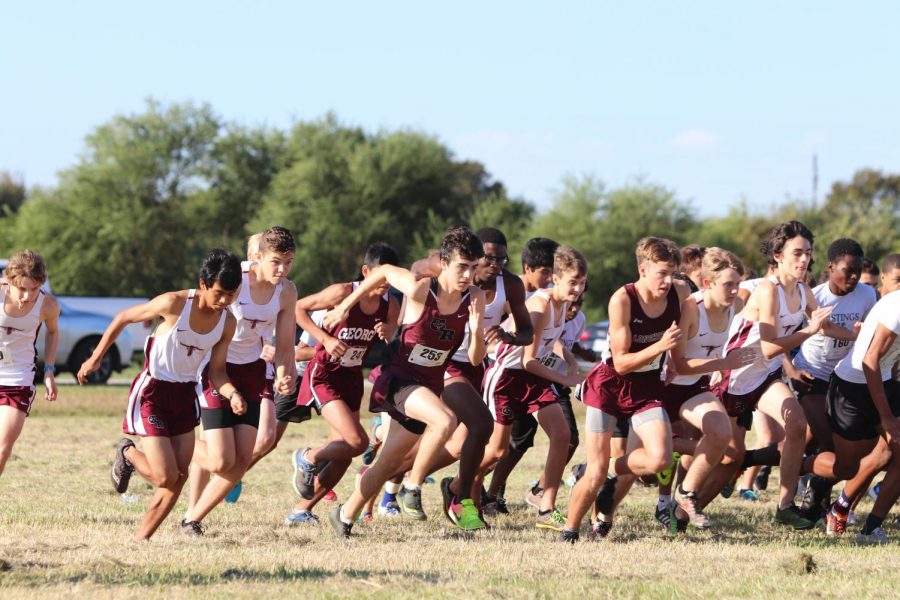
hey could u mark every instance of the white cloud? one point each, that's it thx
(695, 138)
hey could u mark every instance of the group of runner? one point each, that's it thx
(479, 358)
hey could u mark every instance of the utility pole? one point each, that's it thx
(815, 179)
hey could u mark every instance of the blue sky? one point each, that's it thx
(715, 100)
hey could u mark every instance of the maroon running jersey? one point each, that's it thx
(646, 331)
(357, 331)
(427, 344)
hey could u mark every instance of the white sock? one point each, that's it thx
(411, 486)
(344, 519)
(392, 488)
(664, 502)
(612, 468)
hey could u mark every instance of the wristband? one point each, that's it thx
(49, 368)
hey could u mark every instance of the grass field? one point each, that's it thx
(64, 531)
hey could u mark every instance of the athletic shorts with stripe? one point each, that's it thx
(320, 386)
(161, 408)
(511, 393)
(20, 397)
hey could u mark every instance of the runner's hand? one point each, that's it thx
(87, 367)
(671, 337)
(891, 426)
(335, 347)
(238, 404)
(268, 353)
(285, 385)
(50, 384)
(334, 316)
(741, 358)
(385, 331)
(818, 317)
(497, 334)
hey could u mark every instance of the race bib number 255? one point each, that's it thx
(427, 357)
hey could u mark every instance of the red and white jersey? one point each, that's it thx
(745, 334)
(510, 357)
(493, 315)
(357, 332)
(255, 322)
(18, 336)
(177, 354)
(706, 343)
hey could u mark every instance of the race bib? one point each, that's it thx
(427, 357)
(6, 356)
(551, 361)
(353, 357)
(653, 366)
(836, 349)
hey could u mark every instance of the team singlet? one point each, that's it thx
(706, 343)
(255, 322)
(18, 336)
(510, 356)
(357, 331)
(493, 315)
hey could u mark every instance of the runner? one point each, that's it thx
(25, 309)
(162, 405)
(409, 388)
(626, 384)
(333, 381)
(521, 380)
(264, 306)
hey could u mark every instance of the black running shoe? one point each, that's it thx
(191, 528)
(761, 482)
(606, 497)
(447, 498)
(569, 536)
(340, 528)
(601, 528)
(816, 498)
(121, 468)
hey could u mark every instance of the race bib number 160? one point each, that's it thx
(427, 357)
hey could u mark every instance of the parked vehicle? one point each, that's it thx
(595, 337)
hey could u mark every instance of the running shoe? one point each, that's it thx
(873, 491)
(816, 500)
(835, 524)
(851, 518)
(569, 536)
(761, 481)
(121, 468)
(365, 517)
(467, 518)
(371, 452)
(235, 493)
(665, 477)
(552, 519)
(663, 516)
(791, 516)
(534, 496)
(390, 509)
(301, 517)
(577, 472)
(191, 528)
(601, 528)
(876, 536)
(410, 502)
(606, 497)
(689, 505)
(727, 490)
(304, 474)
(449, 501)
(748, 495)
(340, 528)
(330, 496)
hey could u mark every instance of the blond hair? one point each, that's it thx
(716, 260)
(26, 264)
(567, 258)
(655, 249)
(253, 246)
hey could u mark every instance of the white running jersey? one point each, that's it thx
(510, 357)
(706, 343)
(571, 332)
(886, 312)
(255, 322)
(308, 339)
(750, 284)
(493, 315)
(820, 354)
(177, 354)
(18, 336)
(744, 333)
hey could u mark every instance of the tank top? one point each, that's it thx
(646, 331)
(255, 322)
(706, 343)
(427, 344)
(357, 331)
(177, 354)
(493, 315)
(18, 336)
(510, 357)
(820, 354)
(744, 333)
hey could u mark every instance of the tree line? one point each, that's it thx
(152, 192)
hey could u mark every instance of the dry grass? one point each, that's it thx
(63, 531)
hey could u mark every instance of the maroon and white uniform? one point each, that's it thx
(326, 378)
(246, 370)
(706, 343)
(509, 390)
(741, 389)
(459, 365)
(18, 336)
(163, 397)
(623, 396)
(421, 358)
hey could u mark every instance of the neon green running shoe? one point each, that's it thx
(551, 520)
(467, 519)
(665, 478)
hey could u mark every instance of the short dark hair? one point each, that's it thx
(870, 268)
(891, 262)
(380, 253)
(844, 247)
(784, 232)
(692, 258)
(277, 239)
(463, 242)
(222, 266)
(491, 235)
(537, 253)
